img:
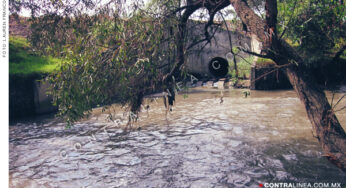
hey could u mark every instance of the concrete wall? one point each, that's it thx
(27, 96)
(268, 78)
(256, 46)
(198, 60)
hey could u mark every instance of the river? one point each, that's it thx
(205, 141)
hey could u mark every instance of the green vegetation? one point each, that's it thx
(108, 61)
(24, 61)
(111, 57)
(243, 65)
(314, 28)
(264, 62)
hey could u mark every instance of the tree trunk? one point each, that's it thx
(180, 42)
(327, 128)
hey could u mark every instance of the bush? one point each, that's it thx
(244, 67)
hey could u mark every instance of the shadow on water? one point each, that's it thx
(240, 142)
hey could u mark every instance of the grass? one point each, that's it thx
(244, 67)
(24, 61)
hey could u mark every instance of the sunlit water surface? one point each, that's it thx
(203, 142)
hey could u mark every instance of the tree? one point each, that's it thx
(328, 129)
(126, 46)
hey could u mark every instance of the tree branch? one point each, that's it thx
(253, 53)
(291, 18)
(338, 54)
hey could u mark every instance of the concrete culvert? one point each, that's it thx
(218, 67)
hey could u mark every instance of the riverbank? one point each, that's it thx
(27, 94)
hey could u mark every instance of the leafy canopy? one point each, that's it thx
(115, 57)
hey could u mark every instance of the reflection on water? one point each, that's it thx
(240, 142)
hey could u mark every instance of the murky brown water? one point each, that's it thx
(240, 143)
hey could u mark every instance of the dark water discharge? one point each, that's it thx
(240, 142)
